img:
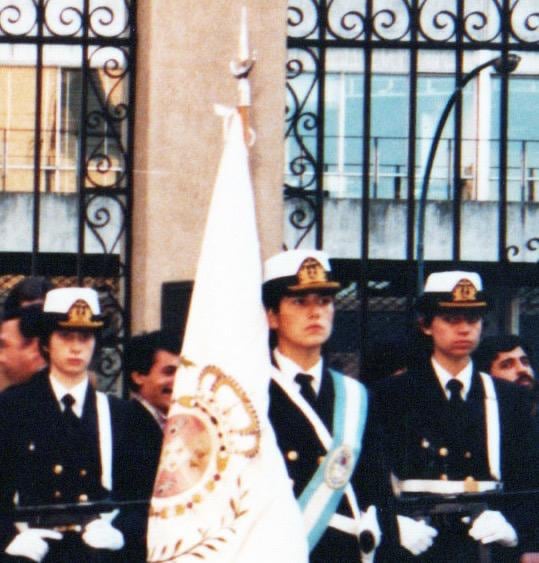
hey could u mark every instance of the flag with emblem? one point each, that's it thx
(222, 492)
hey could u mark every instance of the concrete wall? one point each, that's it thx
(387, 231)
(58, 223)
(182, 70)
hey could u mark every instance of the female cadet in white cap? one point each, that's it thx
(62, 442)
(452, 430)
(319, 417)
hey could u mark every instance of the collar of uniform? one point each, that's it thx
(464, 376)
(160, 418)
(290, 369)
(78, 393)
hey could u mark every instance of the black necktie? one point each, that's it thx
(306, 388)
(457, 434)
(454, 386)
(70, 417)
(457, 408)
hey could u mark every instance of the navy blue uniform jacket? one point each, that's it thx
(413, 410)
(41, 463)
(370, 479)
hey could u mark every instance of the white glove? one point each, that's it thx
(491, 526)
(369, 523)
(31, 543)
(101, 534)
(415, 535)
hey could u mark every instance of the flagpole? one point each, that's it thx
(211, 500)
(241, 68)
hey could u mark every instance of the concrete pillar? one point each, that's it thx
(184, 50)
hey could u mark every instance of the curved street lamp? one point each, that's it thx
(502, 65)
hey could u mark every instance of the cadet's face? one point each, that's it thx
(17, 354)
(303, 322)
(454, 336)
(513, 366)
(70, 352)
(156, 386)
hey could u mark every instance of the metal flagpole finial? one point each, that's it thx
(241, 68)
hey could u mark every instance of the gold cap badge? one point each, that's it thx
(80, 315)
(464, 294)
(312, 275)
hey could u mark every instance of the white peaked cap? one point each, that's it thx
(62, 299)
(287, 263)
(445, 282)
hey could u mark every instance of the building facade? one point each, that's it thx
(109, 148)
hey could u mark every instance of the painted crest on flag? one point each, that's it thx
(220, 421)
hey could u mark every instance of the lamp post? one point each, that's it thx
(503, 65)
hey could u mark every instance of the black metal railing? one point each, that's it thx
(388, 177)
(413, 39)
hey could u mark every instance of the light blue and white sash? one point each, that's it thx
(320, 498)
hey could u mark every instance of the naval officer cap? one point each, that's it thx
(295, 272)
(454, 291)
(72, 308)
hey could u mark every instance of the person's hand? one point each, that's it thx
(101, 534)
(368, 523)
(31, 543)
(415, 535)
(491, 526)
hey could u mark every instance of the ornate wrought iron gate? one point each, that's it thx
(67, 151)
(338, 52)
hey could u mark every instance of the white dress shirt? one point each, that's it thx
(78, 392)
(444, 377)
(290, 369)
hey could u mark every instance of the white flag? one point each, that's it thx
(222, 492)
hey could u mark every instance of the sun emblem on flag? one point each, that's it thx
(215, 423)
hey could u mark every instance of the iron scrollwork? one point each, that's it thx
(106, 181)
(302, 123)
(531, 245)
(303, 19)
(428, 20)
(60, 19)
(105, 217)
(18, 19)
(110, 361)
(106, 125)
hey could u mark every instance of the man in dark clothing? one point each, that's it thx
(507, 357)
(151, 361)
(61, 442)
(20, 356)
(452, 430)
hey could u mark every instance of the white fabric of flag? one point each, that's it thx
(222, 492)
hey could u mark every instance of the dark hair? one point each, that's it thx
(275, 290)
(141, 349)
(47, 330)
(28, 291)
(491, 346)
(426, 317)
